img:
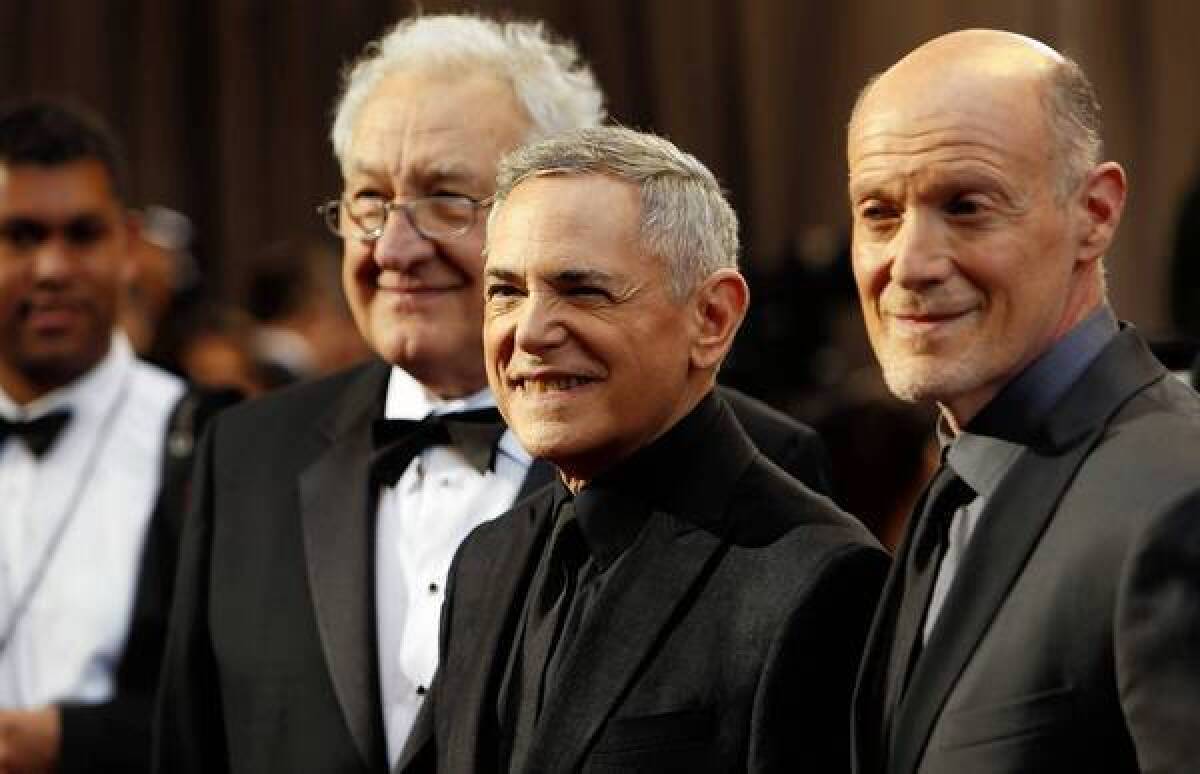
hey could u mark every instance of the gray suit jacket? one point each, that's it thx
(726, 638)
(1070, 638)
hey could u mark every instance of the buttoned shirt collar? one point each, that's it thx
(989, 444)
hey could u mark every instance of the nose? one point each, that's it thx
(401, 247)
(540, 326)
(921, 251)
(52, 262)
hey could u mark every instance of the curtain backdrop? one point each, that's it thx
(224, 104)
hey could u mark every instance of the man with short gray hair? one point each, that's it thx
(305, 630)
(674, 602)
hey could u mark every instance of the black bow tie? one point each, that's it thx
(38, 434)
(397, 441)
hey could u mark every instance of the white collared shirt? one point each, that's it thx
(80, 511)
(422, 519)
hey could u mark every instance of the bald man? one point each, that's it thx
(1043, 614)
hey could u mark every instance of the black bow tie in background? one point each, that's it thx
(38, 434)
(397, 441)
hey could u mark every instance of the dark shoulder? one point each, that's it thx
(789, 549)
(779, 516)
(298, 406)
(762, 422)
(789, 443)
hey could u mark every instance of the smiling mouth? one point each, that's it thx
(926, 323)
(417, 290)
(550, 385)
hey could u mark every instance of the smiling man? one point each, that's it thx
(1044, 611)
(675, 602)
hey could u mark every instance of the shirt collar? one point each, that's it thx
(90, 394)
(1021, 407)
(613, 508)
(407, 398)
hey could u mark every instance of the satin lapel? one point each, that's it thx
(335, 512)
(1008, 530)
(492, 601)
(618, 638)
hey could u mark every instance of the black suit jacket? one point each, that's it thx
(1070, 638)
(726, 638)
(114, 736)
(271, 661)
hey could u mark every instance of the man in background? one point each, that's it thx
(82, 426)
(304, 635)
(1044, 610)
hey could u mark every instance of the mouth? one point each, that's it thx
(926, 323)
(550, 384)
(49, 318)
(416, 290)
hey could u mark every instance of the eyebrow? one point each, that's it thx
(563, 277)
(581, 277)
(503, 275)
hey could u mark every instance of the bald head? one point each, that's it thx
(1033, 84)
(981, 214)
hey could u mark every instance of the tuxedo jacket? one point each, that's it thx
(1070, 636)
(725, 639)
(271, 662)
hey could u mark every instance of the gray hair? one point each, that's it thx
(1073, 116)
(552, 83)
(685, 219)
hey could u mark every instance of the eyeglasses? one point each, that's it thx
(433, 217)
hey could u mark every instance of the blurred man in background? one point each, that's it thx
(82, 426)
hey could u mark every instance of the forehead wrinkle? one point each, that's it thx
(890, 152)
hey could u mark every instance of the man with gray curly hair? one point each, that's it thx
(325, 517)
(674, 602)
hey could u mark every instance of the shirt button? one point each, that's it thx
(433, 588)
(420, 690)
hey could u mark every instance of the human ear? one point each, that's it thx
(1101, 202)
(718, 307)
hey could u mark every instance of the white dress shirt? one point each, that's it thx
(76, 518)
(422, 519)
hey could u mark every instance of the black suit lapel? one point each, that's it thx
(642, 600)
(491, 605)
(1009, 529)
(335, 512)
(619, 636)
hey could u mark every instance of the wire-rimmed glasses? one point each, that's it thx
(434, 217)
